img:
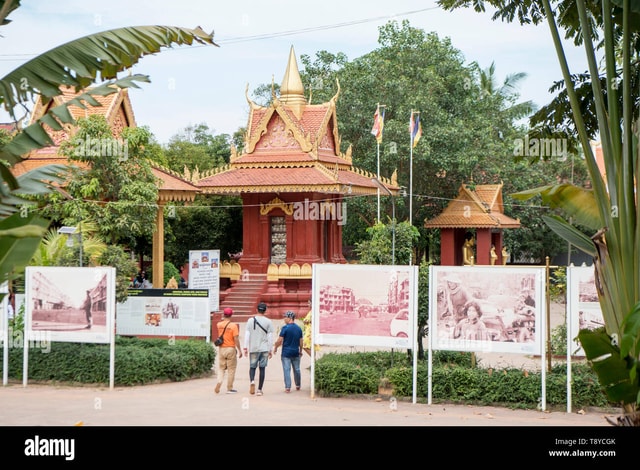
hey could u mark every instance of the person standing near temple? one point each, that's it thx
(290, 339)
(227, 357)
(258, 345)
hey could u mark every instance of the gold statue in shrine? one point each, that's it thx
(467, 252)
(494, 255)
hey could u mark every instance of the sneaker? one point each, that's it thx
(297, 388)
(232, 391)
(287, 390)
(252, 388)
(259, 393)
(218, 385)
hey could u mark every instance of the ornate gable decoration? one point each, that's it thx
(115, 107)
(282, 132)
(328, 138)
(291, 146)
(290, 123)
(276, 203)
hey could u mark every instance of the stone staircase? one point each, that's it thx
(244, 296)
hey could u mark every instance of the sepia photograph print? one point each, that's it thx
(583, 305)
(486, 308)
(73, 304)
(365, 305)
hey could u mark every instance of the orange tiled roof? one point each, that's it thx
(118, 112)
(481, 207)
(115, 107)
(173, 187)
(291, 146)
(109, 106)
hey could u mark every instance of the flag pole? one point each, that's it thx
(378, 150)
(378, 175)
(414, 131)
(411, 172)
(414, 128)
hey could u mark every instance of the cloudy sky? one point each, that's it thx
(206, 84)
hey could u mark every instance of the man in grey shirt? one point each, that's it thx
(258, 344)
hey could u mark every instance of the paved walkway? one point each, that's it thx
(194, 403)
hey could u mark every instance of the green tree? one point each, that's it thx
(54, 250)
(197, 148)
(126, 268)
(384, 244)
(611, 207)
(465, 138)
(77, 64)
(113, 187)
(210, 222)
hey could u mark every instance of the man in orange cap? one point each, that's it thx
(227, 359)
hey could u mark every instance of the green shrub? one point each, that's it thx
(137, 361)
(454, 380)
(558, 284)
(344, 376)
(559, 340)
(170, 271)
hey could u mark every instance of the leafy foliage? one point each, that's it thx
(137, 361)
(211, 221)
(455, 380)
(558, 284)
(19, 239)
(384, 245)
(197, 148)
(112, 185)
(170, 271)
(126, 268)
(78, 64)
(610, 110)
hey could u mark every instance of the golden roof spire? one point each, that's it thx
(291, 90)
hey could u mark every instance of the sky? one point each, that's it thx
(205, 84)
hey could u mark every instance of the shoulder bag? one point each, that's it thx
(256, 322)
(220, 339)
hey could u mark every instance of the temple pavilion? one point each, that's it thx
(291, 176)
(293, 179)
(478, 210)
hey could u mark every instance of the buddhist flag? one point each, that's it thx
(378, 124)
(415, 129)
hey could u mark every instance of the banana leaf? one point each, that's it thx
(613, 370)
(577, 203)
(574, 236)
(19, 239)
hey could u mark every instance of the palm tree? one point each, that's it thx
(507, 92)
(78, 64)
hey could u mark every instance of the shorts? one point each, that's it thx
(258, 359)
